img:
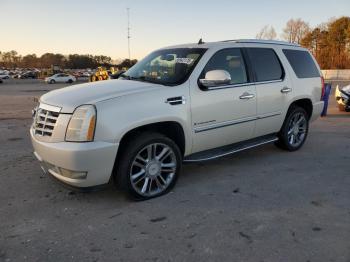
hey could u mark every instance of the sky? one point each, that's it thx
(100, 27)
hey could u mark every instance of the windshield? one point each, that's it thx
(166, 67)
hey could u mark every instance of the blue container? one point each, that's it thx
(325, 98)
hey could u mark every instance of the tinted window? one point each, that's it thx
(230, 60)
(266, 64)
(166, 67)
(302, 63)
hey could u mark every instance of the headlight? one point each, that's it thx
(81, 127)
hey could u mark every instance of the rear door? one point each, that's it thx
(65, 78)
(273, 89)
(59, 78)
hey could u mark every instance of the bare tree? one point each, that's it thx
(267, 32)
(295, 30)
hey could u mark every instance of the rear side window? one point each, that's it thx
(302, 63)
(266, 65)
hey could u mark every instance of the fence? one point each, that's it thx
(336, 74)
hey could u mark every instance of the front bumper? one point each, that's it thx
(96, 159)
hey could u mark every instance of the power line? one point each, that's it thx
(128, 36)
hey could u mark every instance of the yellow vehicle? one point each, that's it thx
(50, 71)
(102, 74)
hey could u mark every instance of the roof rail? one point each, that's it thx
(261, 41)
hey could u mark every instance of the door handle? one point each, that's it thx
(286, 89)
(246, 96)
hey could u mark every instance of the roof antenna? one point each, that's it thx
(200, 42)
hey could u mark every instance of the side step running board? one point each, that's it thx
(230, 149)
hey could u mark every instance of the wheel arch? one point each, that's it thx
(305, 103)
(171, 129)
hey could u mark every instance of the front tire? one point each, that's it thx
(149, 166)
(52, 81)
(295, 129)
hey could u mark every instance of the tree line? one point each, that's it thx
(329, 42)
(12, 59)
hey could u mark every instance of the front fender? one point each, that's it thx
(118, 116)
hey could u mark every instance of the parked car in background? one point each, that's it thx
(0, 81)
(342, 96)
(86, 74)
(60, 78)
(4, 76)
(186, 103)
(3, 71)
(12, 74)
(27, 75)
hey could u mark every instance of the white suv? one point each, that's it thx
(180, 104)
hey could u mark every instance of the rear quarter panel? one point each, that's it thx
(309, 88)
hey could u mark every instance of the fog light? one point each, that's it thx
(66, 173)
(72, 174)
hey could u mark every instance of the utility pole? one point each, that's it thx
(128, 12)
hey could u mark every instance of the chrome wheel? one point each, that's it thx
(297, 129)
(153, 169)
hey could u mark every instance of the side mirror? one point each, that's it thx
(216, 78)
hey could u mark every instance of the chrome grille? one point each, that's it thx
(44, 122)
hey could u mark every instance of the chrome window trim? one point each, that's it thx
(269, 82)
(229, 86)
(245, 84)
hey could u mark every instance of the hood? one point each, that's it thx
(69, 98)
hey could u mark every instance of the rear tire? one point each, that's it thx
(148, 166)
(294, 130)
(70, 81)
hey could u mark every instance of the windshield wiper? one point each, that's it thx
(140, 78)
(146, 79)
(125, 76)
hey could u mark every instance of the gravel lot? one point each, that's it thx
(259, 205)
